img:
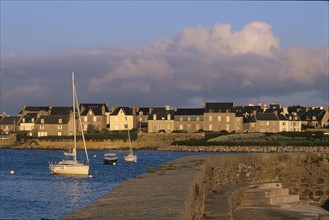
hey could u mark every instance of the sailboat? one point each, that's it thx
(130, 157)
(70, 165)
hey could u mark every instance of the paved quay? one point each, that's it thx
(158, 194)
(222, 187)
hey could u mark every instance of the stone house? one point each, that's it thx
(294, 122)
(94, 117)
(317, 117)
(9, 124)
(28, 122)
(221, 116)
(188, 119)
(161, 120)
(54, 125)
(121, 119)
(141, 117)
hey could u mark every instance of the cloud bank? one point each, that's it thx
(199, 63)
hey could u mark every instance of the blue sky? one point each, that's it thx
(107, 41)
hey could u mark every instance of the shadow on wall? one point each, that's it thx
(326, 205)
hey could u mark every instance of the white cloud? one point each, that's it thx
(200, 63)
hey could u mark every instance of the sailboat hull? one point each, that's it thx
(69, 167)
(130, 158)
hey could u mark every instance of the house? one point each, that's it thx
(161, 120)
(54, 125)
(94, 117)
(264, 122)
(121, 119)
(221, 116)
(9, 124)
(27, 123)
(141, 117)
(188, 119)
(294, 122)
(316, 117)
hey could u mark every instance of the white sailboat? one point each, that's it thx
(130, 157)
(70, 165)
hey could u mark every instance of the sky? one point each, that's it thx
(157, 53)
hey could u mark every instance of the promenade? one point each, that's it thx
(185, 189)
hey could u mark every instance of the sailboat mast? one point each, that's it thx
(74, 122)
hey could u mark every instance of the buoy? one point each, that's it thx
(94, 155)
(114, 163)
(90, 176)
(12, 172)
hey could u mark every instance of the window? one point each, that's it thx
(85, 118)
(267, 123)
(59, 133)
(42, 127)
(23, 120)
(154, 127)
(168, 117)
(181, 118)
(168, 127)
(227, 127)
(95, 119)
(154, 117)
(60, 127)
(161, 126)
(210, 118)
(198, 118)
(60, 121)
(140, 113)
(189, 118)
(210, 127)
(219, 118)
(227, 118)
(180, 127)
(42, 120)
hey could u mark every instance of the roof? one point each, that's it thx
(29, 116)
(219, 107)
(145, 110)
(96, 108)
(10, 120)
(126, 111)
(52, 119)
(266, 117)
(161, 114)
(60, 110)
(189, 111)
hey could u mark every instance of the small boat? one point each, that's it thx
(70, 165)
(130, 157)
(110, 158)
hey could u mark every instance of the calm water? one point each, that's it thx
(32, 193)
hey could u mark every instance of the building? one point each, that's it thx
(189, 119)
(221, 116)
(94, 117)
(121, 119)
(161, 120)
(54, 125)
(9, 124)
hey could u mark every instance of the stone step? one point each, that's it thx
(270, 200)
(261, 193)
(270, 185)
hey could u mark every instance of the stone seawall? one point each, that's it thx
(179, 189)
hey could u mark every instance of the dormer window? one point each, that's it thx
(211, 110)
(154, 117)
(60, 121)
(42, 120)
(23, 120)
(168, 117)
(140, 113)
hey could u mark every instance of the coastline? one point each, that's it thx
(154, 142)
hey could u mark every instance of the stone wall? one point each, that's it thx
(179, 189)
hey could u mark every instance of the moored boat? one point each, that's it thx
(110, 158)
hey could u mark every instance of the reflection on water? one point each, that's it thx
(33, 193)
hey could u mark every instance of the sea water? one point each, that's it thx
(29, 191)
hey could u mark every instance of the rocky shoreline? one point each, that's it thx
(154, 142)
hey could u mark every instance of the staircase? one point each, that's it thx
(268, 194)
